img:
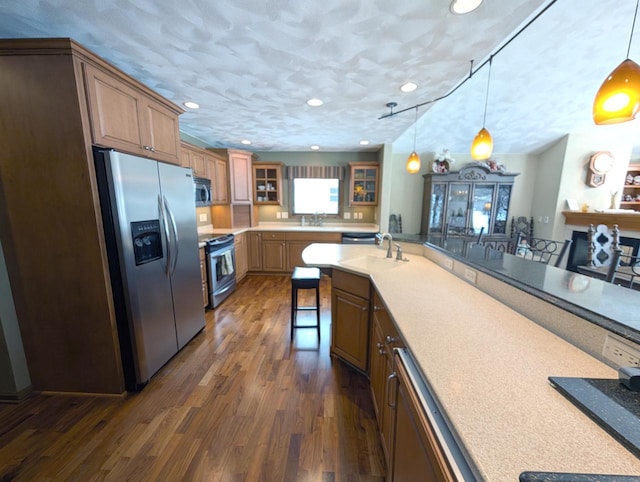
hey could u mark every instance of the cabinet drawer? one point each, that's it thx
(273, 235)
(351, 283)
(315, 237)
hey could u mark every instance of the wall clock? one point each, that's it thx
(599, 164)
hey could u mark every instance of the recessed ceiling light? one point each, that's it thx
(408, 87)
(460, 7)
(314, 102)
(245, 142)
(364, 143)
(315, 148)
(191, 105)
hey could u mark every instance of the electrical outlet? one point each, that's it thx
(203, 217)
(620, 352)
(359, 215)
(285, 215)
(278, 215)
(347, 215)
(546, 220)
(470, 275)
(448, 263)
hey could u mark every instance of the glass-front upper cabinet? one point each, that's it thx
(363, 186)
(267, 183)
(467, 202)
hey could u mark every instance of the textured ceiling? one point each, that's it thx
(252, 64)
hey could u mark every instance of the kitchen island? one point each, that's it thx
(488, 367)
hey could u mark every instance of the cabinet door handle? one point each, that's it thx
(391, 339)
(364, 308)
(389, 378)
(377, 308)
(380, 352)
(379, 345)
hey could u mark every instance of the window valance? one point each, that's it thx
(315, 172)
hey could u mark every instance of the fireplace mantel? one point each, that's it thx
(625, 221)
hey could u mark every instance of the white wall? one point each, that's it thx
(406, 190)
(546, 187)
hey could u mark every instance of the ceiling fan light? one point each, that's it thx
(413, 163)
(618, 99)
(482, 145)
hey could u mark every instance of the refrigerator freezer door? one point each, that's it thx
(176, 185)
(135, 191)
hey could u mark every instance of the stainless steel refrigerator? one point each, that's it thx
(149, 219)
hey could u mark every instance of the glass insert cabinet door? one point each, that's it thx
(364, 185)
(457, 208)
(481, 207)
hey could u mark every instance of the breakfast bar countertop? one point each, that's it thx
(488, 367)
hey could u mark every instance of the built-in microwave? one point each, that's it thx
(202, 188)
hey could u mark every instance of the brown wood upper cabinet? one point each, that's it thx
(363, 184)
(240, 177)
(194, 158)
(267, 183)
(218, 172)
(127, 119)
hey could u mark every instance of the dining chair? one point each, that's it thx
(541, 250)
(624, 269)
(602, 244)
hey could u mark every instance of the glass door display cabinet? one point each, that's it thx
(364, 184)
(467, 201)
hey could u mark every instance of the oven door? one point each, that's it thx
(221, 274)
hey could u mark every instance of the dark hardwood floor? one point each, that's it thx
(240, 403)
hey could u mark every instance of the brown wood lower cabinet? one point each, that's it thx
(417, 454)
(274, 253)
(240, 245)
(384, 337)
(350, 318)
(203, 275)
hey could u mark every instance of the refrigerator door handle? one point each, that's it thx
(165, 225)
(175, 240)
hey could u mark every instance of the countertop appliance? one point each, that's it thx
(152, 249)
(221, 266)
(359, 238)
(202, 190)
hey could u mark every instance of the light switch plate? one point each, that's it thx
(347, 215)
(285, 215)
(278, 215)
(203, 217)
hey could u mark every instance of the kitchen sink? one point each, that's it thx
(372, 263)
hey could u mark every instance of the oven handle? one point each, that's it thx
(223, 290)
(175, 242)
(165, 225)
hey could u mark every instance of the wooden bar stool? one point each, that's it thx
(304, 279)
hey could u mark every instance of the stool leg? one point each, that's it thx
(294, 303)
(318, 309)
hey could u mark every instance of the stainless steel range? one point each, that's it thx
(221, 268)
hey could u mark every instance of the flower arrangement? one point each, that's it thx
(442, 161)
(494, 166)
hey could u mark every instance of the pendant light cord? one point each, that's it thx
(633, 26)
(415, 130)
(486, 99)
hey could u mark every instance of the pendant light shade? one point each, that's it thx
(413, 162)
(618, 99)
(482, 145)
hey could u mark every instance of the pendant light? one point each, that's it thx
(482, 145)
(413, 162)
(618, 99)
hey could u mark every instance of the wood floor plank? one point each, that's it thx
(241, 402)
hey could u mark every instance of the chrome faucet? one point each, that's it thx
(317, 218)
(390, 238)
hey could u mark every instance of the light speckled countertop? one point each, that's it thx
(204, 231)
(488, 367)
